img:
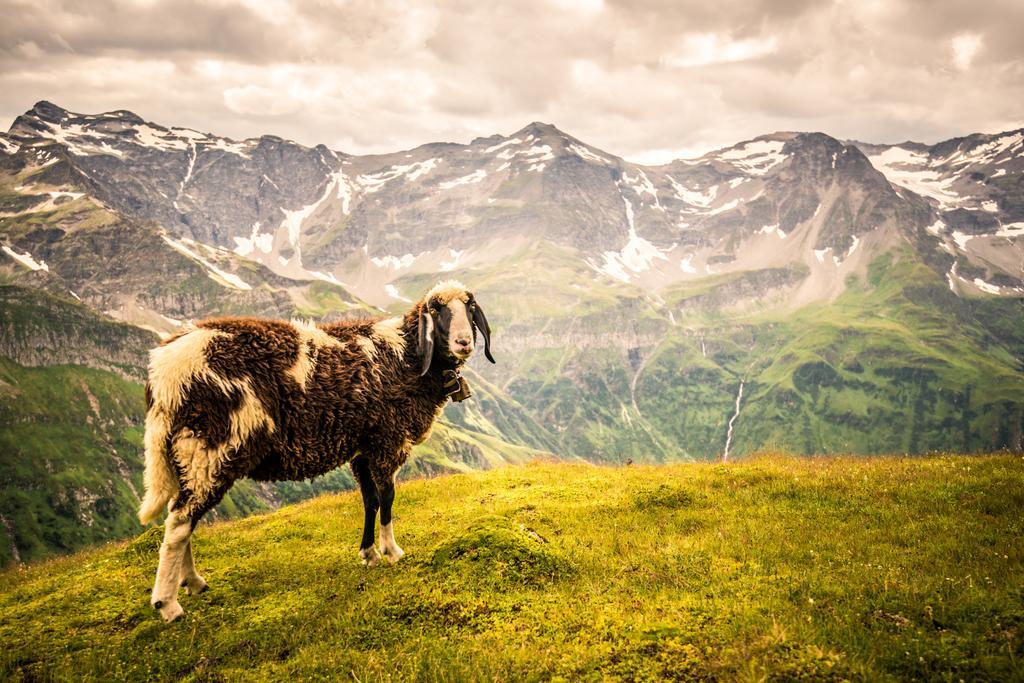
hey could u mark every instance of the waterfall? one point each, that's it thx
(732, 421)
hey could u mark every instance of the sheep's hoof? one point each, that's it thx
(169, 610)
(194, 586)
(393, 554)
(369, 556)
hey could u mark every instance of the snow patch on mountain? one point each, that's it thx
(986, 152)
(456, 257)
(78, 140)
(584, 153)
(772, 230)
(186, 247)
(728, 206)
(262, 241)
(986, 287)
(474, 177)
(393, 262)
(756, 157)
(26, 259)
(8, 147)
(345, 189)
(189, 134)
(229, 146)
(328, 277)
(1011, 230)
(637, 256)
(338, 183)
(535, 156)
(148, 136)
(701, 199)
(961, 239)
(393, 292)
(909, 169)
(495, 148)
(373, 182)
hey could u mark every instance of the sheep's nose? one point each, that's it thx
(464, 343)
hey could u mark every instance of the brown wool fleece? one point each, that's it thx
(274, 400)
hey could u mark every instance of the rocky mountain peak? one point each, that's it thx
(539, 129)
(47, 111)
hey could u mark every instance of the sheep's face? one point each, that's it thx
(449, 323)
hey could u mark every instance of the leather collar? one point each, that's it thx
(455, 386)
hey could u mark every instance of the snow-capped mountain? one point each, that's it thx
(599, 272)
(974, 185)
(366, 222)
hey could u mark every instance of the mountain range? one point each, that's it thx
(793, 291)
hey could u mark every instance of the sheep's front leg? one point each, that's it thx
(371, 503)
(388, 546)
(177, 530)
(383, 470)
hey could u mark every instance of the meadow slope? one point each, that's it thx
(825, 569)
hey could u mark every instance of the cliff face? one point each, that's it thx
(38, 330)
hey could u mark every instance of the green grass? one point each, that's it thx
(778, 568)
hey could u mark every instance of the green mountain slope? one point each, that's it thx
(817, 569)
(896, 362)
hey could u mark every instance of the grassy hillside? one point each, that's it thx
(823, 569)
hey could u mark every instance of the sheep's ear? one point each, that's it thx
(480, 323)
(426, 345)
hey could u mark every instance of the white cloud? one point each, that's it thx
(965, 46)
(701, 49)
(581, 6)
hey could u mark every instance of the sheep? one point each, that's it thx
(274, 400)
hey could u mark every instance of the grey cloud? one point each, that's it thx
(172, 28)
(633, 77)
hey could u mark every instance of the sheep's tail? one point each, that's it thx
(160, 480)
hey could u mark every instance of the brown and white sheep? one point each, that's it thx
(273, 400)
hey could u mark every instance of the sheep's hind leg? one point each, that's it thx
(177, 530)
(367, 551)
(191, 581)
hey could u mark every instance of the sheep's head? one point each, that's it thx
(449, 320)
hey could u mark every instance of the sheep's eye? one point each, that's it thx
(435, 306)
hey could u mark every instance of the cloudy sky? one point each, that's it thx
(646, 80)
